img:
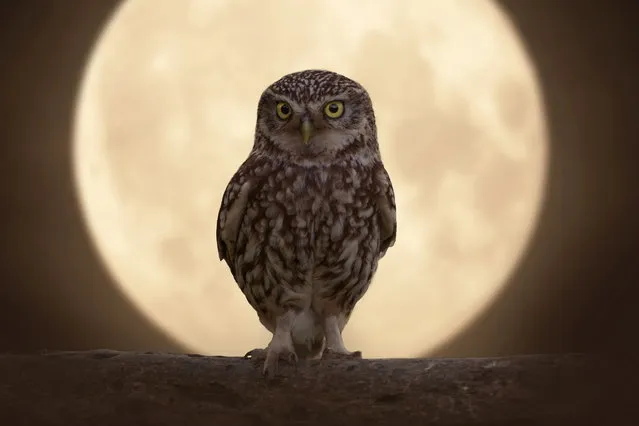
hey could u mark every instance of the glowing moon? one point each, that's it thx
(167, 112)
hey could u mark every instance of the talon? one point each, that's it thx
(270, 366)
(268, 372)
(295, 361)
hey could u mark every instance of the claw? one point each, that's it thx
(270, 366)
(271, 363)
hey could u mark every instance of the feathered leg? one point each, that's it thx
(335, 343)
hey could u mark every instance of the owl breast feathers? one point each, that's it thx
(306, 218)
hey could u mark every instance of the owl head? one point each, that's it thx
(315, 114)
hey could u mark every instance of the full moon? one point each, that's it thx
(166, 114)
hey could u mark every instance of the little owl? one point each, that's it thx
(306, 218)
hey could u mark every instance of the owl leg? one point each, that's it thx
(335, 343)
(281, 345)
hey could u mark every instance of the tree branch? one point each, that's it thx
(123, 388)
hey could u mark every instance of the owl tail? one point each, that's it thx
(307, 334)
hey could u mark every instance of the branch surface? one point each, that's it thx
(124, 388)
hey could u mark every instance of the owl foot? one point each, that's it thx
(281, 346)
(335, 348)
(270, 359)
(272, 362)
(330, 354)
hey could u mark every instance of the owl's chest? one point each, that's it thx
(317, 209)
(318, 196)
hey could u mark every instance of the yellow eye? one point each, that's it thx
(283, 110)
(334, 109)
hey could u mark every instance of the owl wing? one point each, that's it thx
(235, 200)
(386, 210)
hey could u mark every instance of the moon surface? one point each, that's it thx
(166, 115)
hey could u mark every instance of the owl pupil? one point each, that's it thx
(285, 109)
(333, 108)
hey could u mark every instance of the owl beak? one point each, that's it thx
(306, 129)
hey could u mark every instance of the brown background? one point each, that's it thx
(55, 294)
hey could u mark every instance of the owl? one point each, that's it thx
(306, 218)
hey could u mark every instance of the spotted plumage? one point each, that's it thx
(306, 218)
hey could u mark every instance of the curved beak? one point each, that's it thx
(306, 129)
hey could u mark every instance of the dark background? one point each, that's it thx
(574, 291)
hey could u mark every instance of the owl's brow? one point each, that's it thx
(281, 97)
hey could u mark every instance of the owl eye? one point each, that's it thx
(334, 109)
(283, 110)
